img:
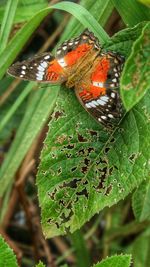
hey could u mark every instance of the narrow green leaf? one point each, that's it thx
(17, 43)
(15, 106)
(25, 11)
(135, 77)
(85, 18)
(15, 120)
(115, 261)
(7, 256)
(82, 254)
(7, 22)
(141, 202)
(40, 105)
(132, 12)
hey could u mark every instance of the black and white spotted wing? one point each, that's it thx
(40, 68)
(106, 109)
(70, 45)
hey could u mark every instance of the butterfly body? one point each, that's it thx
(80, 63)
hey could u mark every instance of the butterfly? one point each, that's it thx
(82, 64)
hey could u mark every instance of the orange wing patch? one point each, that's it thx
(72, 57)
(55, 73)
(101, 71)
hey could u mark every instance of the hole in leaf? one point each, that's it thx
(81, 138)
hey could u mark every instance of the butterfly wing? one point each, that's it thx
(98, 92)
(41, 68)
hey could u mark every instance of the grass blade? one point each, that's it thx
(17, 103)
(132, 12)
(7, 22)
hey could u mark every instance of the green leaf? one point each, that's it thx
(135, 77)
(82, 254)
(141, 202)
(7, 256)
(115, 261)
(7, 22)
(122, 41)
(132, 12)
(84, 168)
(140, 249)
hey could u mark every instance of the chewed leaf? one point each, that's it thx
(7, 256)
(84, 168)
(135, 77)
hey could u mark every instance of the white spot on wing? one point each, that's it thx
(88, 105)
(101, 102)
(64, 47)
(114, 80)
(39, 76)
(103, 117)
(23, 72)
(24, 67)
(44, 64)
(47, 57)
(104, 98)
(98, 84)
(113, 95)
(40, 68)
(62, 62)
(110, 116)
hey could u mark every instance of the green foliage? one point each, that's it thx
(41, 106)
(14, 107)
(117, 261)
(141, 202)
(25, 10)
(79, 244)
(145, 2)
(40, 264)
(131, 12)
(7, 257)
(84, 168)
(7, 22)
(140, 249)
(135, 77)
